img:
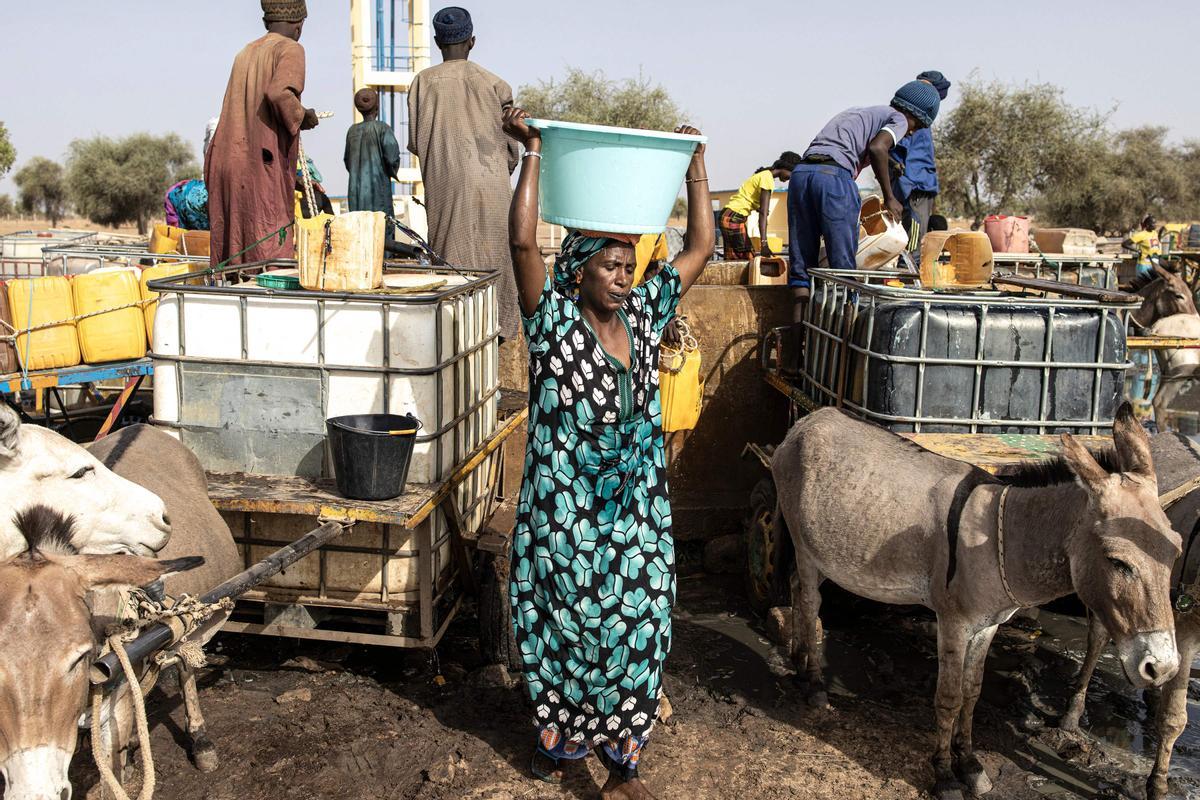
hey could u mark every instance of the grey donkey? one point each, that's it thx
(885, 519)
(1177, 464)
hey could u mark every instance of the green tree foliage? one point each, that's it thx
(1119, 179)
(594, 98)
(8, 209)
(117, 181)
(1024, 149)
(1002, 146)
(8, 153)
(42, 189)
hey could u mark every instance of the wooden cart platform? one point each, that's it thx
(415, 617)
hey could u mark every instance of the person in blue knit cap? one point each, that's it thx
(914, 173)
(823, 200)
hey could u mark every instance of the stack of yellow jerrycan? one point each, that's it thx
(120, 334)
(169, 239)
(168, 269)
(8, 353)
(43, 301)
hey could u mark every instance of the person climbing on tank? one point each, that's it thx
(914, 173)
(823, 199)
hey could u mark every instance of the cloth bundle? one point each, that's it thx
(186, 205)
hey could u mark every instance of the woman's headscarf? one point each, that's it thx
(577, 248)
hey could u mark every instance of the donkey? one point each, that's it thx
(47, 626)
(114, 515)
(1171, 718)
(1169, 309)
(887, 520)
(52, 623)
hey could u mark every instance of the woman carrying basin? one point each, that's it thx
(593, 559)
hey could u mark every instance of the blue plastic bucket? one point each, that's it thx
(617, 180)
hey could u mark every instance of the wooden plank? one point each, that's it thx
(1161, 343)
(467, 467)
(284, 494)
(996, 452)
(75, 376)
(1065, 289)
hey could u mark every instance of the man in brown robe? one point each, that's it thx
(251, 166)
(454, 128)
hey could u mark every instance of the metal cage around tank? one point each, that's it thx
(847, 345)
(22, 253)
(72, 258)
(474, 381)
(1097, 271)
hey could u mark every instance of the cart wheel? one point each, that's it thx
(497, 642)
(768, 558)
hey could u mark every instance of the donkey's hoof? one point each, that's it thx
(977, 782)
(1070, 720)
(948, 790)
(1156, 789)
(204, 755)
(818, 699)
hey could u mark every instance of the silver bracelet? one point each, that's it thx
(533, 153)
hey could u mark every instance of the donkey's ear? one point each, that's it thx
(1132, 443)
(10, 429)
(126, 570)
(1163, 272)
(1083, 464)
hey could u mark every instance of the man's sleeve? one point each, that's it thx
(413, 123)
(391, 153)
(286, 86)
(897, 126)
(505, 96)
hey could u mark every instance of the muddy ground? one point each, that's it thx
(302, 720)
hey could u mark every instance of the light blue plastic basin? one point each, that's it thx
(616, 180)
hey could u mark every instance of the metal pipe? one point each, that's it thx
(156, 637)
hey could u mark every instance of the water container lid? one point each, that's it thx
(549, 124)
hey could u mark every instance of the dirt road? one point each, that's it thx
(304, 721)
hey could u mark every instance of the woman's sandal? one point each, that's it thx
(538, 764)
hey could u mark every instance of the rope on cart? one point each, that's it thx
(183, 617)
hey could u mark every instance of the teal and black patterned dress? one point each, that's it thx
(593, 565)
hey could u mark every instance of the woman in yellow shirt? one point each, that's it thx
(754, 195)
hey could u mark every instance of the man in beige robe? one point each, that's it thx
(454, 128)
(250, 166)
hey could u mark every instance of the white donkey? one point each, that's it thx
(40, 467)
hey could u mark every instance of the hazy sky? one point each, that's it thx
(757, 77)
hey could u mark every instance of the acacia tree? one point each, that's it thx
(1117, 180)
(594, 98)
(8, 208)
(42, 189)
(117, 181)
(8, 153)
(1000, 147)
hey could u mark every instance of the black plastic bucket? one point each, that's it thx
(369, 461)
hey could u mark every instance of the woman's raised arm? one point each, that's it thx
(528, 266)
(701, 234)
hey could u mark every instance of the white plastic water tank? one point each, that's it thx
(247, 376)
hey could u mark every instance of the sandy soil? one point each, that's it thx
(305, 720)
(73, 223)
